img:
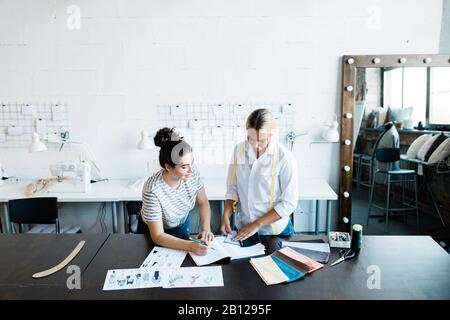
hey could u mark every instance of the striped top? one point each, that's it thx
(160, 201)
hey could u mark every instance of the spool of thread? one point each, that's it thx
(356, 243)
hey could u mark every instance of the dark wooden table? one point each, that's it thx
(22, 255)
(411, 267)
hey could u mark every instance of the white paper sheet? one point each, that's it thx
(215, 253)
(122, 279)
(194, 277)
(218, 250)
(164, 258)
(238, 252)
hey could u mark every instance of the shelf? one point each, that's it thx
(323, 141)
(412, 131)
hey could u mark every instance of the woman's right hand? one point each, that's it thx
(198, 249)
(225, 227)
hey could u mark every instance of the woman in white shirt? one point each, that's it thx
(262, 183)
(169, 195)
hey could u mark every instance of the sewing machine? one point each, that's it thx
(72, 177)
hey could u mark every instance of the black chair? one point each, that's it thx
(391, 156)
(40, 212)
(135, 222)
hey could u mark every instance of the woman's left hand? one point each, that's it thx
(247, 231)
(206, 237)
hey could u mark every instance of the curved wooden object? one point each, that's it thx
(62, 264)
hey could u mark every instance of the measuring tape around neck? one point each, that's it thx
(239, 155)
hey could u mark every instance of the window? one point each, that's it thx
(415, 92)
(439, 96)
(426, 90)
(393, 84)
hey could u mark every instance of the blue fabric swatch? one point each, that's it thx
(290, 272)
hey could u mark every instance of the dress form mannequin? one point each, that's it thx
(389, 138)
(388, 125)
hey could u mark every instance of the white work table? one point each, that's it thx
(105, 191)
(309, 189)
(115, 191)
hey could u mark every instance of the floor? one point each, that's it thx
(428, 224)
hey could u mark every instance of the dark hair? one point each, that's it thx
(172, 147)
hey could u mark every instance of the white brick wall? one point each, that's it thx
(130, 55)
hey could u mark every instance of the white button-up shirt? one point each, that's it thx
(252, 183)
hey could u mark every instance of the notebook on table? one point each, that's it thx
(219, 250)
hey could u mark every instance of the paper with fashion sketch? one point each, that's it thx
(164, 258)
(218, 249)
(139, 278)
(194, 277)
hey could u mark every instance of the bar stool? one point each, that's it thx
(390, 156)
(365, 161)
(356, 161)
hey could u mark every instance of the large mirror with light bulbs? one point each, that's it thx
(395, 145)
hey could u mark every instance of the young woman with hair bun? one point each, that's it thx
(169, 195)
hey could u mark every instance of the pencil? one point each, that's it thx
(202, 243)
(198, 241)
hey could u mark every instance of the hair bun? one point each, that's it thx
(162, 137)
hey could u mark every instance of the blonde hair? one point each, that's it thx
(261, 120)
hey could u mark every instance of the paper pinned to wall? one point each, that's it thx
(41, 126)
(241, 110)
(57, 112)
(29, 110)
(177, 110)
(15, 130)
(220, 109)
(288, 108)
(195, 124)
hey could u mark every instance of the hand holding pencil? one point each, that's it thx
(198, 247)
